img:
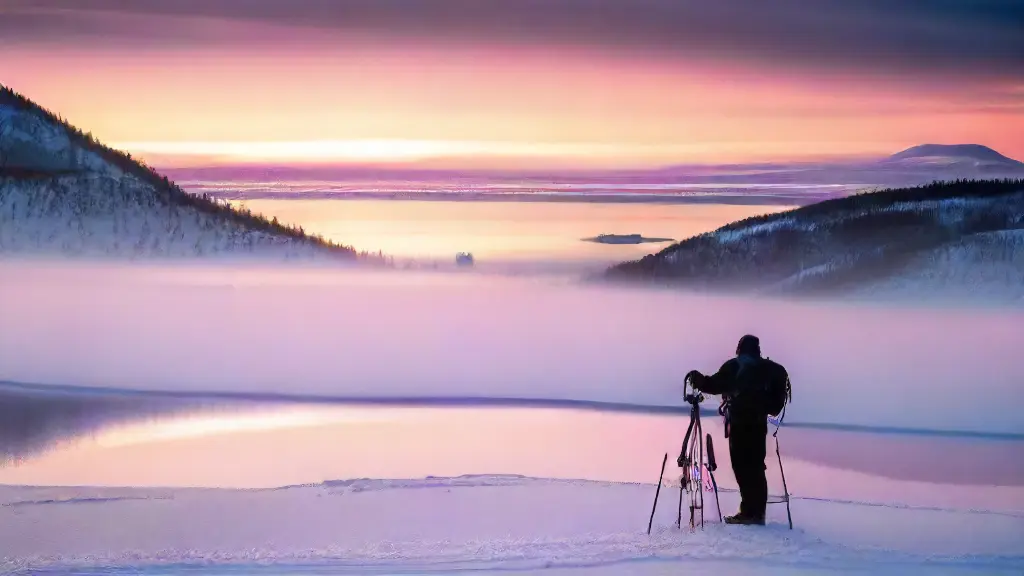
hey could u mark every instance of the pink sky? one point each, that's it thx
(242, 90)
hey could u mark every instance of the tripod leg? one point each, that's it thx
(684, 463)
(686, 441)
(656, 493)
(700, 467)
(679, 514)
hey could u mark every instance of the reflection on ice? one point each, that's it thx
(33, 421)
(263, 445)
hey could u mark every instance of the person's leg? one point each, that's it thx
(739, 458)
(747, 453)
(757, 500)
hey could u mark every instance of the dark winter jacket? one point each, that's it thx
(741, 382)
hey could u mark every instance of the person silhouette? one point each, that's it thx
(741, 383)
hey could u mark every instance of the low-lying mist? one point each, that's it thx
(295, 330)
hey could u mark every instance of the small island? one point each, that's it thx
(624, 239)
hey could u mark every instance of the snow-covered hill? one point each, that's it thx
(962, 239)
(63, 193)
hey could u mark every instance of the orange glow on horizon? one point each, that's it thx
(491, 105)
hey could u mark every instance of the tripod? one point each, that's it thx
(691, 460)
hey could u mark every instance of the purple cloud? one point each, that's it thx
(967, 37)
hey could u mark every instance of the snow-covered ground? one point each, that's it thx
(480, 523)
(988, 266)
(31, 140)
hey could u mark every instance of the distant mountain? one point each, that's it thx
(64, 193)
(966, 151)
(948, 157)
(917, 165)
(961, 239)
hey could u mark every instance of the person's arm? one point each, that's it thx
(721, 382)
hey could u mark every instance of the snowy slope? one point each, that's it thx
(951, 240)
(100, 215)
(480, 523)
(988, 265)
(62, 193)
(29, 140)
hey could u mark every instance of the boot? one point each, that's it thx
(745, 519)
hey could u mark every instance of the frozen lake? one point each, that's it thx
(142, 483)
(195, 441)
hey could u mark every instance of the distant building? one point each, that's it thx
(463, 259)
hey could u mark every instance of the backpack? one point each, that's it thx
(778, 391)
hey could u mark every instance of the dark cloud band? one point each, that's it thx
(968, 37)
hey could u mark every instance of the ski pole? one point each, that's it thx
(785, 489)
(656, 492)
(712, 466)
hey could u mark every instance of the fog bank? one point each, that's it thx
(358, 333)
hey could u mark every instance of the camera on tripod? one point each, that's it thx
(695, 398)
(691, 395)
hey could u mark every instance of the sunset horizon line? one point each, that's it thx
(479, 155)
